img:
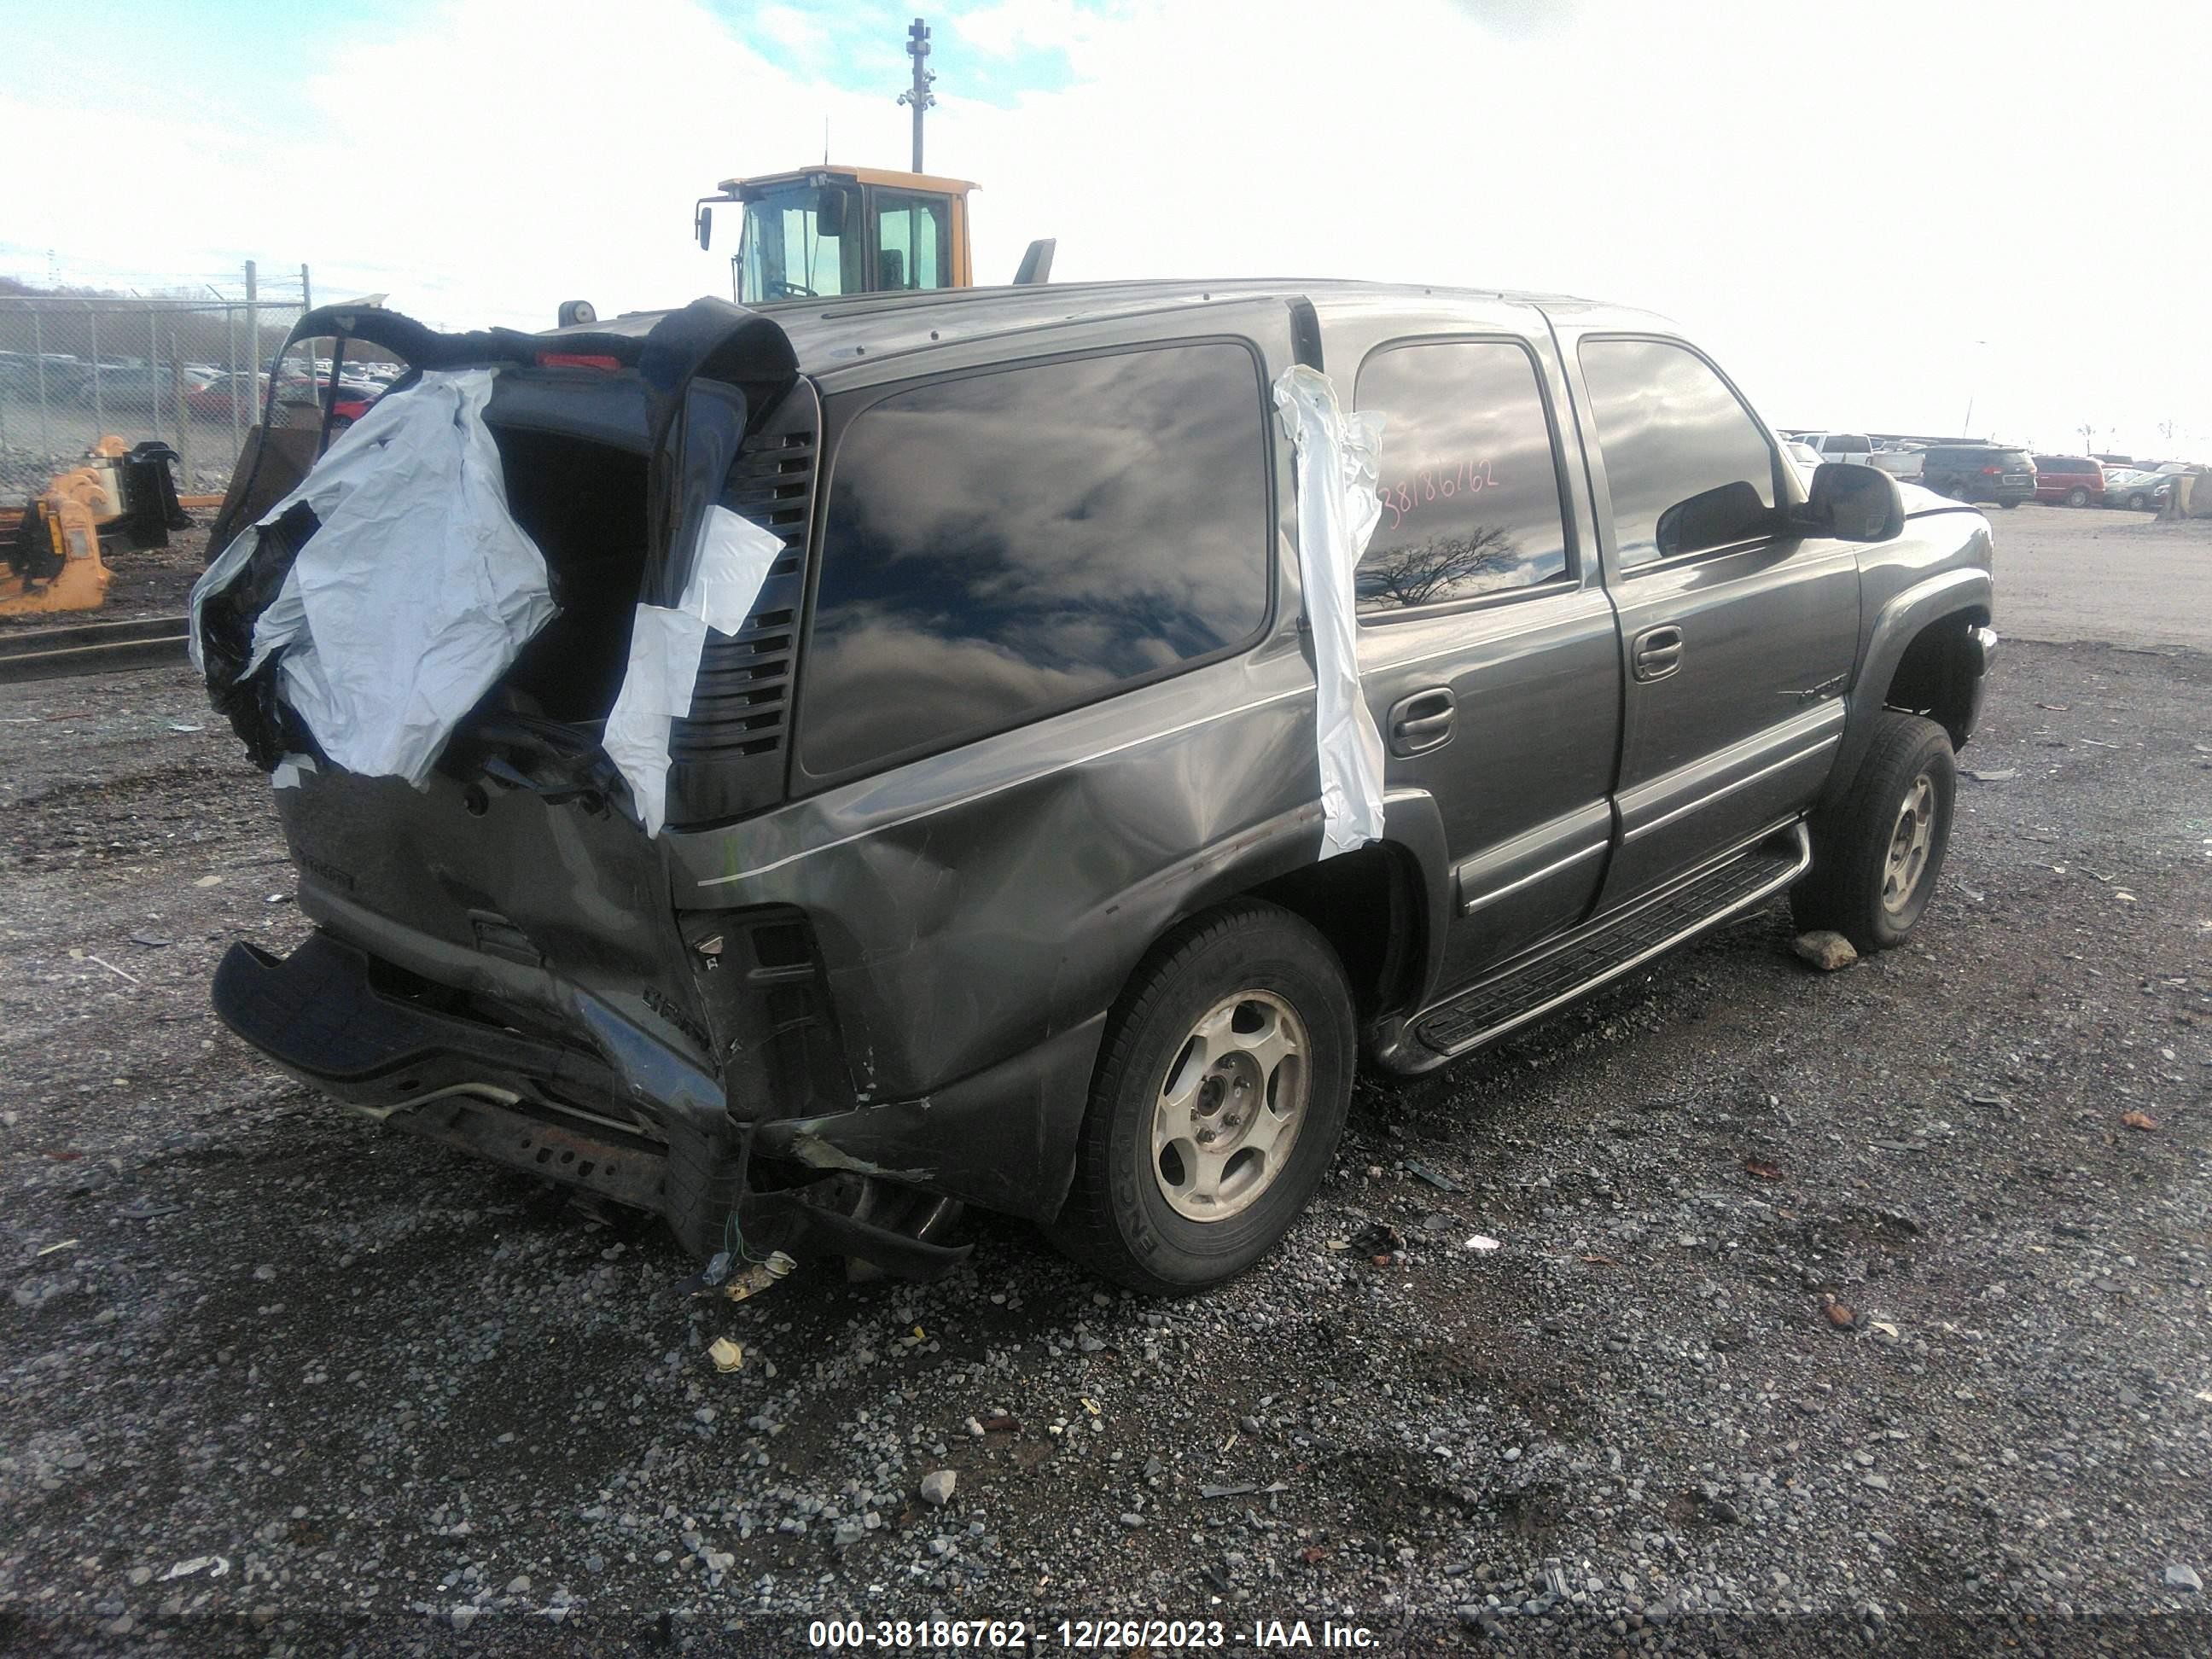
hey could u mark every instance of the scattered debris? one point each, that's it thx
(1825, 950)
(114, 969)
(152, 940)
(209, 881)
(1242, 1488)
(1378, 1238)
(1763, 1169)
(758, 1277)
(727, 1356)
(936, 1487)
(1884, 1329)
(1483, 1243)
(1001, 1424)
(1313, 1555)
(185, 725)
(1974, 894)
(214, 1566)
(64, 1244)
(2143, 1120)
(1436, 1178)
(1839, 1316)
(1599, 1261)
(2179, 1576)
(2003, 774)
(145, 1209)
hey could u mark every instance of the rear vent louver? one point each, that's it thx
(726, 756)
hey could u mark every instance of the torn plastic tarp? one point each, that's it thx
(412, 591)
(1339, 461)
(665, 646)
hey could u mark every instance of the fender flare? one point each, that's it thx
(1965, 592)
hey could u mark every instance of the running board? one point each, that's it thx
(1602, 952)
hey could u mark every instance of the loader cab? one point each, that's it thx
(832, 230)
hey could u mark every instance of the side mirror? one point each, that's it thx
(1714, 518)
(703, 226)
(1853, 504)
(830, 211)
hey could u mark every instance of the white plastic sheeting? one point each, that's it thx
(1339, 461)
(665, 646)
(415, 594)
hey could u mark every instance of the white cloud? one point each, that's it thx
(1838, 203)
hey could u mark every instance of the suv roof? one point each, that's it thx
(827, 333)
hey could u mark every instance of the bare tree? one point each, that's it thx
(1435, 569)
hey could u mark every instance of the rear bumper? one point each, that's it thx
(630, 1122)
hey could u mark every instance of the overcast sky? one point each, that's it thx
(1871, 213)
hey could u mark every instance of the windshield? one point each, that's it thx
(787, 254)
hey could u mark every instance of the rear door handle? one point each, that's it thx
(1422, 721)
(1656, 652)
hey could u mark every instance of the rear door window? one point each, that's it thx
(1674, 435)
(1469, 487)
(1005, 545)
(912, 240)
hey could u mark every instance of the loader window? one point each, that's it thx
(787, 254)
(913, 239)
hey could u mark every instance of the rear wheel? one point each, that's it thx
(1958, 492)
(1219, 1096)
(1878, 852)
(2077, 496)
(2138, 502)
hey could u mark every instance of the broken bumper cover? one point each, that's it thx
(537, 1105)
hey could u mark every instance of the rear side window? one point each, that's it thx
(1009, 545)
(1470, 493)
(1674, 437)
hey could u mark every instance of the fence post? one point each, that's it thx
(39, 345)
(253, 322)
(184, 413)
(99, 411)
(154, 367)
(306, 294)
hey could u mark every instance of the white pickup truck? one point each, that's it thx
(1857, 449)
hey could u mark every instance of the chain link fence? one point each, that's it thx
(188, 368)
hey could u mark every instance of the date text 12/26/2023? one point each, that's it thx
(1082, 1635)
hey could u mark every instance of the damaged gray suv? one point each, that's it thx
(799, 771)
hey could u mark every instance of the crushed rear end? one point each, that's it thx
(474, 786)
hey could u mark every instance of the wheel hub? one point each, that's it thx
(1230, 1106)
(1911, 840)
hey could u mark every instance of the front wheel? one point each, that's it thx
(1878, 852)
(1958, 492)
(2138, 503)
(1220, 1092)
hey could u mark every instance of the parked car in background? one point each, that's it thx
(136, 386)
(1978, 472)
(1900, 461)
(1802, 455)
(214, 401)
(1857, 449)
(2076, 480)
(2136, 489)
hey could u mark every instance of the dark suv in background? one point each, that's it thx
(2070, 480)
(1978, 472)
(993, 866)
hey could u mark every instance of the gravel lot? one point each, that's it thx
(1828, 1309)
(2152, 581)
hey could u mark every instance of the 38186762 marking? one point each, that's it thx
(1407, 495)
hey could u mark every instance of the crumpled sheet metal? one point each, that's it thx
(1339, 461)
(415, 594)
(664, 647)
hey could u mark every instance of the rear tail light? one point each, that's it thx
(1992, 471)
(579, 360)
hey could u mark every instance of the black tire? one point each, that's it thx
(1119, 1220)
(2077, 496)
(1854, 841)
(2008, 505)
(1958, 492)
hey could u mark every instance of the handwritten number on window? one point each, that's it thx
(1402, 498)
